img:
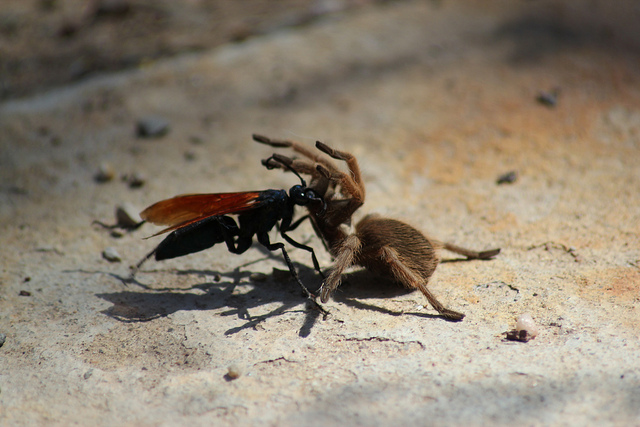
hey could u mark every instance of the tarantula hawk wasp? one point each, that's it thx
(199, 221)
(384, 246)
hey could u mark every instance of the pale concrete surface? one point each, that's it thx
(436, 100)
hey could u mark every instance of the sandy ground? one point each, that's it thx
(436, 100)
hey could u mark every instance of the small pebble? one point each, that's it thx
(258, 277)
(3, 338)
(116, 233)
(105, 173)
(88, 374)
(233, 372)
(526, 323)
(24, 293)
(111, 255)
(548, 99)
(507, 178)
(152, 127)
(127, 216)
(135, 180)
(526, 329)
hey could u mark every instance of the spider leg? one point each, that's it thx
(295, 146)
(309, 166)
(283, 162)
(319, 183)
(346, 255)
(343, 209)
(352, 183)
(409, 279)
(471, 254)
(397, 250)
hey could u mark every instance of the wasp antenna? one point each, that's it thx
(277, 158)
(302, 181)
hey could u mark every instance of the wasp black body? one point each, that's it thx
(200, 221)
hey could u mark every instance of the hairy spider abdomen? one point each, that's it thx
(381, 235)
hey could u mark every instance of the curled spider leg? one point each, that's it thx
(352, 182)
(295, 146)
(343, 208)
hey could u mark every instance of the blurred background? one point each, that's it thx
(48, 43)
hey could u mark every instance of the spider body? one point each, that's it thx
(384, 246)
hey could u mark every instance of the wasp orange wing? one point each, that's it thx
(180, 211)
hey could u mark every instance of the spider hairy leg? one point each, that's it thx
(471, 254)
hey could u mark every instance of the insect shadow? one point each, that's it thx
(362, 285)
(131, 306)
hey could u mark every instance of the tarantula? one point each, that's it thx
(384, 246)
